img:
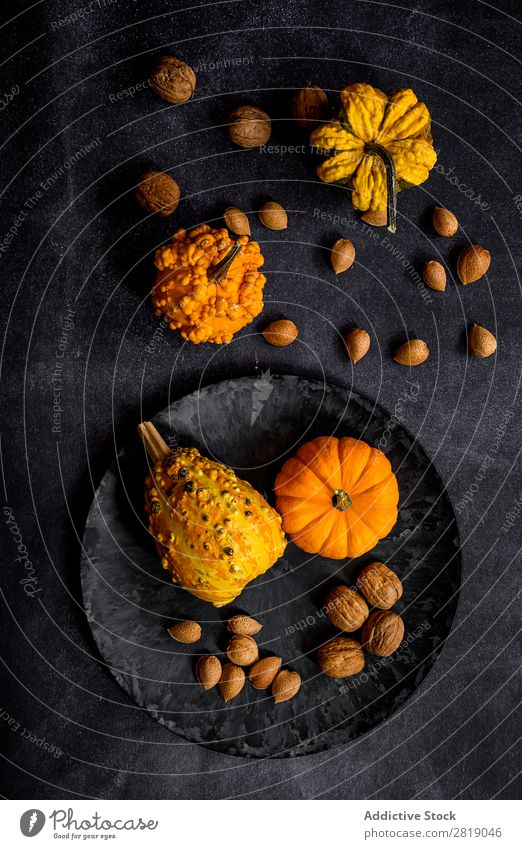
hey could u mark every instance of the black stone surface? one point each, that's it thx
(75, 139)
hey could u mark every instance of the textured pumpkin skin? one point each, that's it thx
(309, 483)
(397, 121)
(213, 531)
(203, 310)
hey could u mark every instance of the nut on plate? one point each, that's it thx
(185, 632)
(357, 344)
(249, 126)
(286, 685)
(273, 216)
(157, 193)
(340, 657)
(342, 256)
(382, 632)
(379, 585)
(444, 222)
(208, 671)
(244, 625)
(481, 342)
(345, 608)
(434, 275)
(281, 333)
(264, 671)
(473, 263)
(309, 106)
(172, 79)
(231, 682)
(237, 221)
(412, 353)
(242, 650)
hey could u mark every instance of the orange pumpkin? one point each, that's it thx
(337, 497)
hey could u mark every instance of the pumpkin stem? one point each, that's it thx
(221, 269)
(341, 500)
(391, 183)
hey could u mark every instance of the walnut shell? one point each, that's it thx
(379, 585)
(249, 126)
(172, 79)
(309, 106)
(346, 609)
(382, 633)
(158, 193)
(340, 657)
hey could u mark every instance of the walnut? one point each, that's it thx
(157, 193)
(172, 79)
(382, 632)
(309, 106)
(340, 657)
(346, 609)
(249, 126)
(379, 585)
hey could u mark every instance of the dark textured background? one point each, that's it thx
(86, 246)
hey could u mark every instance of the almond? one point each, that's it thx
(444, 222)
(342, 256)
(376, 219)
(473, 263)
(412, 353)
(281, 333)
(309, 106)
(185, 632)
(244, 625)
(273, 216)
(264, 671)
(242, 650)
(357, 344)
(481, 342)
(434, 275)
(231, 682)
(208, 671)
(286, 685)
(237, 221)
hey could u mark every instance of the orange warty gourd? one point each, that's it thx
(205, 309)
(337, 497)
(214, 532)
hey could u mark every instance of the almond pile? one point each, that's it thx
(381, 631)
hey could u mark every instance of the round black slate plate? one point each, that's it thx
(253, 425)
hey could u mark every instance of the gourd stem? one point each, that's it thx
(391, 183)
(221, 269)
(341, 500)
(154, 444)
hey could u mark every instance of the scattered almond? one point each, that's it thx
(281, 333)
(244, 625)
(273, 216)
(286, 685)
(242, 650)
(208, 671)
(236, 221)
(231, 682)
(342, 256)
(376, 219)
(481, 342)
(444, 222)
(357, 344)
(309, 106)
(412, 353)
(185, 632)
(473, 263)
(434, 275)
(264, 671)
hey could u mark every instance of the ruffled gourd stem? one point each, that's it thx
(220, 271)
(391, 183)
(341, 500)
